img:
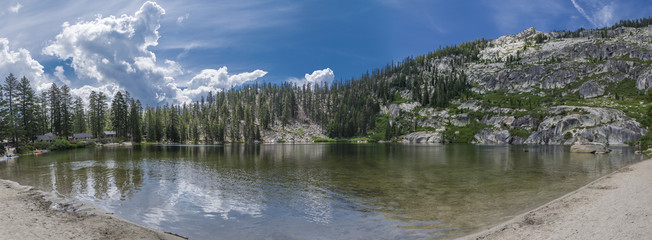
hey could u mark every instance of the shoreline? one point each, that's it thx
(28, 213)
(615, 206)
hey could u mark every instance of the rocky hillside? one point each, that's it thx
(537, 88)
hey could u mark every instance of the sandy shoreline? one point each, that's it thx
(26, 213)
(616, 206)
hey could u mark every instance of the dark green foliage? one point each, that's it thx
(568, 135)
(519, 132)
(60, 144)
(625, 89)
(454, 134)
(120, 115)
(385, 129)
(646, 141)
(12, 117)
(636, 23)
(321, 139)
(540, 38)
(97, 113)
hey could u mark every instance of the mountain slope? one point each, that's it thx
(597, 78)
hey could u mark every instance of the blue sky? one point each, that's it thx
(176, 51)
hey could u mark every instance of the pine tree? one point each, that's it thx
(66, 111)
(27, 106)
(79, 116)
(134, 120)
(10, 87)
(97, 108)
(119, 112)
(55, 109)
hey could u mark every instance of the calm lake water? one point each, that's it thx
(316, 191)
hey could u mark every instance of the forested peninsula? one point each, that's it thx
(561, 87)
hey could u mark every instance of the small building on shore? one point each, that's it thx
(109, 134)
(48, 137)
(81, 136)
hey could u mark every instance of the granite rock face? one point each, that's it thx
(568, 124)
(587, 67)
(422, 137)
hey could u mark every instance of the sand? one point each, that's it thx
(616, 206)
(26, 213)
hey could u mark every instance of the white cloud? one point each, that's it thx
(15, 8)
(605, 16)
(114, 51)
(211, 80)
(85, 91)
(581, 10)
(59, 73)
(317, 77)
(21, 63)
(597, 12)
(511, 15)
(182, 18)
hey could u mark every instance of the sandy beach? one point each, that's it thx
(616, 206)
(26, 213)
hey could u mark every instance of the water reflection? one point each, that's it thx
(316, 191)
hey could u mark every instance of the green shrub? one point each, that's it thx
(78, 145)
(519, 132)
(454, 134)
(568, 135)
(60, 144)
(540, 38)
(322, 139)
(42, 145)
(646, 140)
(25, 149)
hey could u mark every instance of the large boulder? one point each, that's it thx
(569, 124)
(422, 137)
(589, 147)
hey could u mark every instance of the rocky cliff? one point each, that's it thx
(542, 88)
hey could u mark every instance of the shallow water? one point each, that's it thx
(316, 191)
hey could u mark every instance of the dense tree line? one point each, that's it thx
(344, 109)
(602, 32)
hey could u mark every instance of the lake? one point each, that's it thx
(316, 191)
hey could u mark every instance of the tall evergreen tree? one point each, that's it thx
(79, 116)
(66, 111)
(54, 95)
(27, 106)
(97, 108)
(119, 115)
(10, 87)
(135, 120)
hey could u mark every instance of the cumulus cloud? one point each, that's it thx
(324, 76)
(114, 51)
(111, 53)
(20, 63)
(211, 80)
(85, 91)
(598, 13)
(15, 8)
(59, 73)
